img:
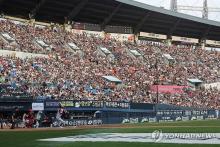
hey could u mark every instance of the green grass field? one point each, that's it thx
(29, 138)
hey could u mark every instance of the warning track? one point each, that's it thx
(115, 126)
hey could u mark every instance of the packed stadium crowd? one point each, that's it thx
(66, 75)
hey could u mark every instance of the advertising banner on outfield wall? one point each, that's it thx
(153, 35)
(10, 106)
(143, 106)
(79, 122)
(185, 39)
(184, 115)
(174, 115)
(213, 42)
(120, 37)
(37, 106)
(86, 104)
(89, 33)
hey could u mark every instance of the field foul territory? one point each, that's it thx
(156, 137)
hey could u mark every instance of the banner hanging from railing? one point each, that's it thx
(173, 89)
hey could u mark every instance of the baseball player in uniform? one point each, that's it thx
(59, 116)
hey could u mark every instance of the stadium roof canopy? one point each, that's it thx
(139, 16)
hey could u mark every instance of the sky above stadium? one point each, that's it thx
(166, 4)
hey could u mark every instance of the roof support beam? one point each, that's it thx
(35, 10)
(108, 19)
(173, 28)
(141, 23)
(76, 10)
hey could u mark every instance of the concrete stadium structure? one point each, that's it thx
(140, 17)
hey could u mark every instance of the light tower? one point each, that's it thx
(205, 12)
(204, 9)
(173, 5)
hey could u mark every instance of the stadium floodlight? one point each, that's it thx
(204, 9)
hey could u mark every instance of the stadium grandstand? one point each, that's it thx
(109, 50)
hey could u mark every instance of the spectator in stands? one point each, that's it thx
(66, 75)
